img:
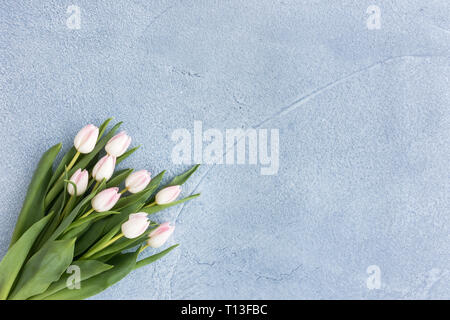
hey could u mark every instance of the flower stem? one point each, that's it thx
(103, 246)
(123, 191)
(87, 213)
(95, 186)
(74, 159)
(150, 205)
(143, 248)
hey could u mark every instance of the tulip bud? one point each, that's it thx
(167, 195)
(104, 168)
(86, 139)
(118, 144)
(105, 200)
(160, 235)
(80, 178)
(136, 225)
(137, 181)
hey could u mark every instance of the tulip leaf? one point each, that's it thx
(44, 267)
(123, 264)
(15, 257)
(82, 163)
(102, 128)
(126, 155)
(182, 178)
(62, 164)
(154, 257)
(91, 217)
(89, 237)
(87, 268)
(76, 232)
(157, 208)
(118, 178)
(33, 206)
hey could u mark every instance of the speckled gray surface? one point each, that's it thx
(364, 126)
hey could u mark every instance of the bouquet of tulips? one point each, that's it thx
(77, 234)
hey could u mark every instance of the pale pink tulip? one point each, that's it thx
(104, 168)
(136, 225)
(105, 200)
(167, 195)
(118, 144)
(160, 235)
(137, 181)
(86, 139)
(81, 179)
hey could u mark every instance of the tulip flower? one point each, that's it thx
(86, 139)
(80, 179)
(118, 144)
(137, 181)
(104, 168)
(160, 235)
(105, 200)
(167, 195)
(136, 225)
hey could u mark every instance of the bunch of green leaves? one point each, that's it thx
(49, 237)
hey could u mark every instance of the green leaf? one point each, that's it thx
(88, 269)
(89, 237)
(122, 265)
(75, 233)
(118, 178)
(126, 155)
(33, 206)
(62, 164)
(154, 257)
(182, 178)
(43, 268)
(82, 163)
(15, 257)
(91, 217)
(156, 208)
(102, 128)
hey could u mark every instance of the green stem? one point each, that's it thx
(123, 191)
(92, 252)
(150, 205)
(95, 186)
(86, 214)
(74, 159)
(143, 248)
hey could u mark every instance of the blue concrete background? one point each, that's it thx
(363, 115)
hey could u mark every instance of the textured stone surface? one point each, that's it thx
(364, 126)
